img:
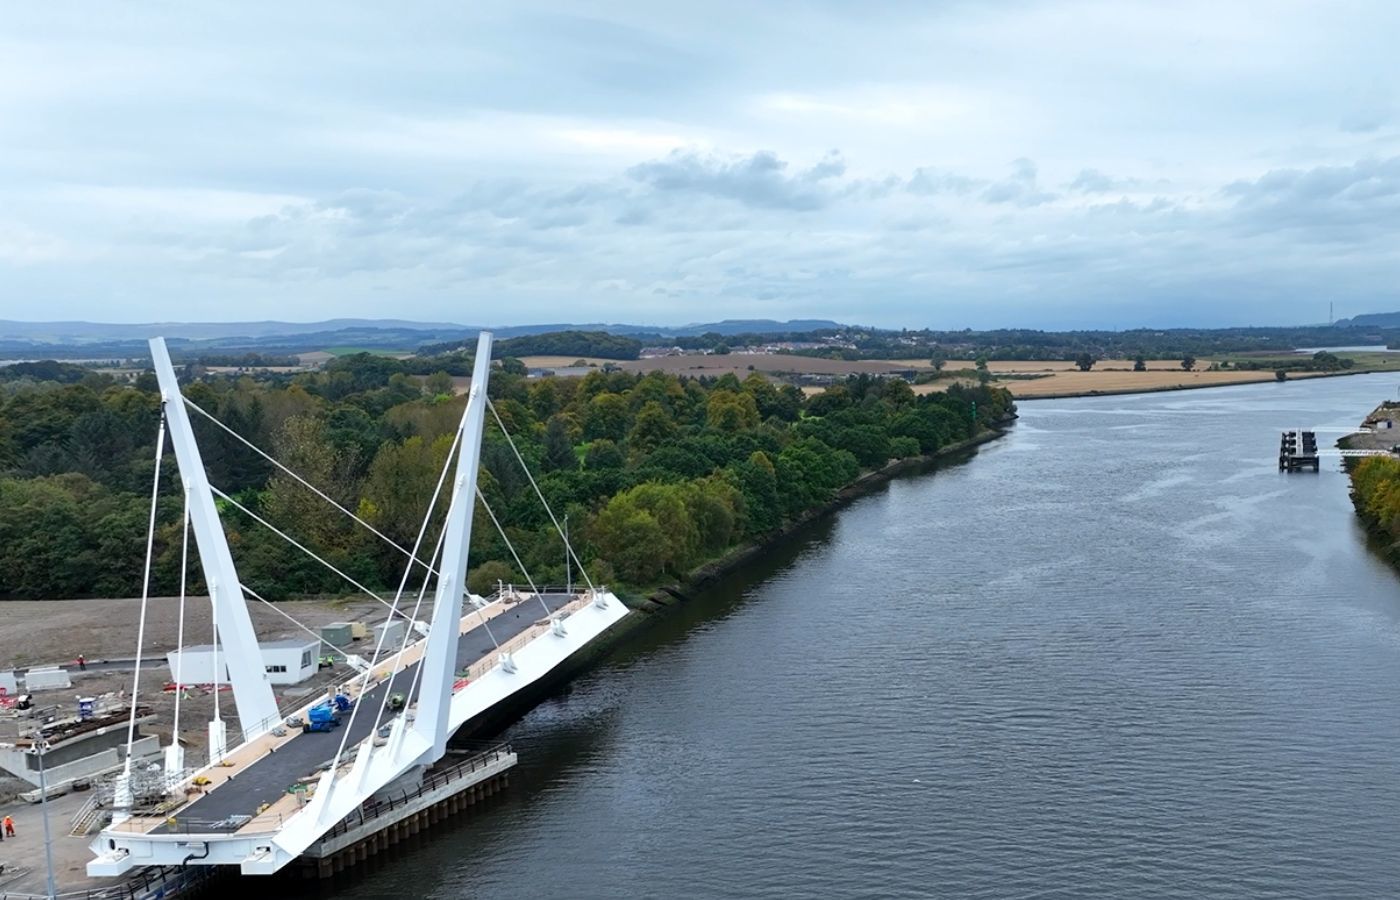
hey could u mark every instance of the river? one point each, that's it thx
(1115, 654)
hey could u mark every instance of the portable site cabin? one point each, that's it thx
(289, 661)
(393, 633)
(338, 634)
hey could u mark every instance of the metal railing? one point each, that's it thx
(431, 782)
(490, 660)
(86, 816)
(161, 881)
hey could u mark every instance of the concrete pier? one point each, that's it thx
(445, 792)
(1298, 451)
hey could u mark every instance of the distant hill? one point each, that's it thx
(750, 326)
(91, 332)
(1371, 320)
(100, 340)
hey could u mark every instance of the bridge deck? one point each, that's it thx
(267, 779)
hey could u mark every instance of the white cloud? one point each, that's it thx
(662, 163)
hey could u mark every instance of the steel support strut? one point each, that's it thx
(252, 693)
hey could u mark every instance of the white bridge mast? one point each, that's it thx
(270, 829)
(252, 693)
(440, 657)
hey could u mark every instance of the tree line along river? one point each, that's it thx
(1114, 654)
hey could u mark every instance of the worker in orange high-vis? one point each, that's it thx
(9, 827)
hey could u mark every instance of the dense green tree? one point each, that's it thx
(47, 547)
(731, 411)
(558, 449)
(400, 483)
(544, 398)
(630, 540)
(437, 383)
(829, 400)
(603, 454)
(758, 481)
(675, 469)
(903, 447)
(606, 417)
(483, 579)
(653, 428)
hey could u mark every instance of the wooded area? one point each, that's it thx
(1375, 484)
(656, 473)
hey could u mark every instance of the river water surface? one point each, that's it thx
(1115, 654)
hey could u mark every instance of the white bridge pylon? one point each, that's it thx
(252, 693)
(263, 839)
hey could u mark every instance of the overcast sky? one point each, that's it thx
(1048, 164)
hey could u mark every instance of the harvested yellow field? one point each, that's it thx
(1076, 382)
(555, 362)
(1064, 379)
(1120, 381)
(1027, 366)
(780, 363)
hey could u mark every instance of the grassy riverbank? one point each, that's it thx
(1375, 481)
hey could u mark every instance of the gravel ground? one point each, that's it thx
(34, 632)
(56, 631)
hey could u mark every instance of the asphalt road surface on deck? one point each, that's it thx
(269, 778)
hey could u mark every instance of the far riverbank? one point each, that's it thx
(675, 592)
(1375, 480)
(1027, 389)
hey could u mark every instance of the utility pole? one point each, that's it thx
(39, 748)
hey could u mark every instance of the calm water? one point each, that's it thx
(1116, 654)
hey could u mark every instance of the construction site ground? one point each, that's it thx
(44, 632)
(104, 631)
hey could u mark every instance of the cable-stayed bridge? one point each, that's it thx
(267, 796)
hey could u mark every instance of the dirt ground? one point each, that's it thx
(55, 631)
(1384, 433)
(36, 632)
(23, 854)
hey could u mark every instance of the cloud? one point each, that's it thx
(1020, 188)
(1092, 181)
(926, 181)
(638, 161)
(1351, 202)
(760, 180)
